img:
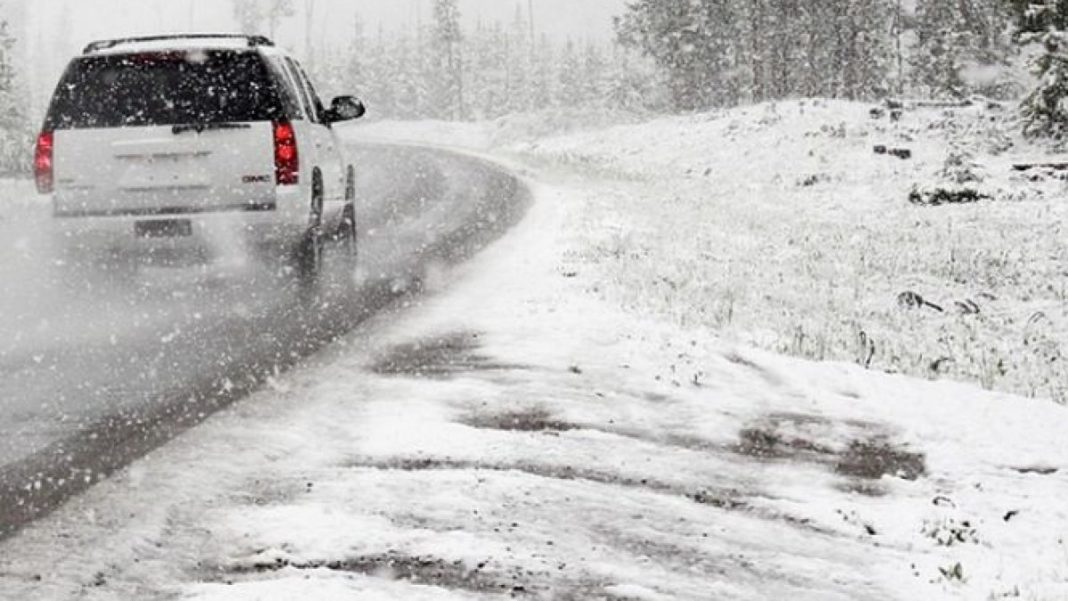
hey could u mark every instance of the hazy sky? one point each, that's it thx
(52, 39)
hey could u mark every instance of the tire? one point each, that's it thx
(346, 233)
(309, 252)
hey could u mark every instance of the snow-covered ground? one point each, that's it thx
(780, 226)
(577, 414)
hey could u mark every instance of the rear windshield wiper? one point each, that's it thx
(203, 127)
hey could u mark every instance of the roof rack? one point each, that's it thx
(253, 40)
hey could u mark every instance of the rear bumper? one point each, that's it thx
(212, 233)
(170, 212)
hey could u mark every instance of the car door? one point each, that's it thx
(326, 143)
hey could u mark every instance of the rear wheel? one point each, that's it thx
(309, 254)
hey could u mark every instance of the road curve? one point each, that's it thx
(92, 378)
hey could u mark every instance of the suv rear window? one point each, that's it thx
(165, 88)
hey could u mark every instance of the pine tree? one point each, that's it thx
(543, 76)
(633, 84)
(594, 88)
(354, 67)
(446, 61)
(309, 34)
(870, 52)
(491, 72)
(953, 36)
(480, 75)
(676, 34)
(406, 65)
(1037, 16)
(520, 84)
(249, 16)
(721, 52)
(15, 129)
(570, 80)
(1045, 109)
(940, 49)
(275, 11)
(382, 81)
(783, 54)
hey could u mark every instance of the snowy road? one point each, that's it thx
(532, 430)
(92, 379)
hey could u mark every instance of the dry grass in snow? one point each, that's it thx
(781, 226)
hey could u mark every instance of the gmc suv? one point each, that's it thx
(164, 144)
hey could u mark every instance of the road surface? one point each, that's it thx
(95, 375)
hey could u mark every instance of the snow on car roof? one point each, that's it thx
(177, 42)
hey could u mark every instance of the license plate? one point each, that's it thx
(170, 228)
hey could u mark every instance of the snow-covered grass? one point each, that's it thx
(779, 225)
(511, 435)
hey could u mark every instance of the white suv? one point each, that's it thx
(165, 144)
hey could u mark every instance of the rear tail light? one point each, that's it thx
(286, 156)
(44, 162)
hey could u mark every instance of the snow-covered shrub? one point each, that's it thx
(960, 167)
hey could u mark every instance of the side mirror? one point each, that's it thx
(345, 108)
